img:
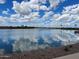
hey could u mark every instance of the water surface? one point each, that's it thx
(36, 38)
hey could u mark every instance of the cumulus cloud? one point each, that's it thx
(73, 9)
(14, 17)
(2, 19)
(5, 12)
(24, 12)
(25, 8)
(22, 8)
(44, 8)
(54, 3)
(68, 17)
(2, 1)
(24, 18)
(38, 1)
(70, 14)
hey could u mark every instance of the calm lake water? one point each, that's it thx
(54, 38)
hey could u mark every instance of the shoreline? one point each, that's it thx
(30, 27)
(48, 53)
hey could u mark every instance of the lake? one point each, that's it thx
(27, 39)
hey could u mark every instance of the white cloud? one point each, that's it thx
(2, 19)
(37, 1)
(48, 15)
(2, 1)
(24, 18)
(56, 16)
(63, 17)
(73, 9)
(24, 12)
(70, 15)
(54, 3)
(23, 8)
(44, 8)
(27, 7)
(5, 11)
(14, 17)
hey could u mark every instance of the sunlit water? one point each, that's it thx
(40, 37)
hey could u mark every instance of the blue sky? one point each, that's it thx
(8, 10)
(59, 8)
